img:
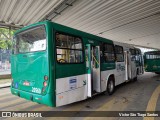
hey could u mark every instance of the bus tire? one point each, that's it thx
(135, 79)
(110, 86)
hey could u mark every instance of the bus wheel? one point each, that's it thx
(110, 86)
(135, 79)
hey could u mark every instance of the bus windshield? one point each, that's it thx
(153, 55)
(31, 40)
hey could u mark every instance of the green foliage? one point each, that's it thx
(5, 38)
(5, 44)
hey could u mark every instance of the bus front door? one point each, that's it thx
(93, 69)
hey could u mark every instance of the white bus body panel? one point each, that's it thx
(96, 73)
(71, 89)
(130, 71)
(89, 87)
(105, 76)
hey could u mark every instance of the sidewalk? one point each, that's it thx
(5, 83)
(5, 72)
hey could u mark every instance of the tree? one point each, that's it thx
(5, 44)
(5, 38)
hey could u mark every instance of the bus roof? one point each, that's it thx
(63, 28)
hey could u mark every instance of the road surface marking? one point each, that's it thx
(153, 102)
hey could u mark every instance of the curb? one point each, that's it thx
(6, 76)
(4, 87)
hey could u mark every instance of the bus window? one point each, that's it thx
(138, 52)
(69, 49)
(133, 53)
(31, 40)
(152, 55)
(138, 55)
(119, 53)
(101, 53)
(109, 55)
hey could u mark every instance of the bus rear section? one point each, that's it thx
(30, 69)
(152, 61)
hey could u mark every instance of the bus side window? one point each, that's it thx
(102, 53)
(69, 49)
(119, 53)
(133, 54)
(109, 55)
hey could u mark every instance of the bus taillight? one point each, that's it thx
(44, 83)
(45, 77)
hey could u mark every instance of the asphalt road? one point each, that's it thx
(142, 95)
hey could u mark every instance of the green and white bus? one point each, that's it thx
(56, 65)
(152, 61)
